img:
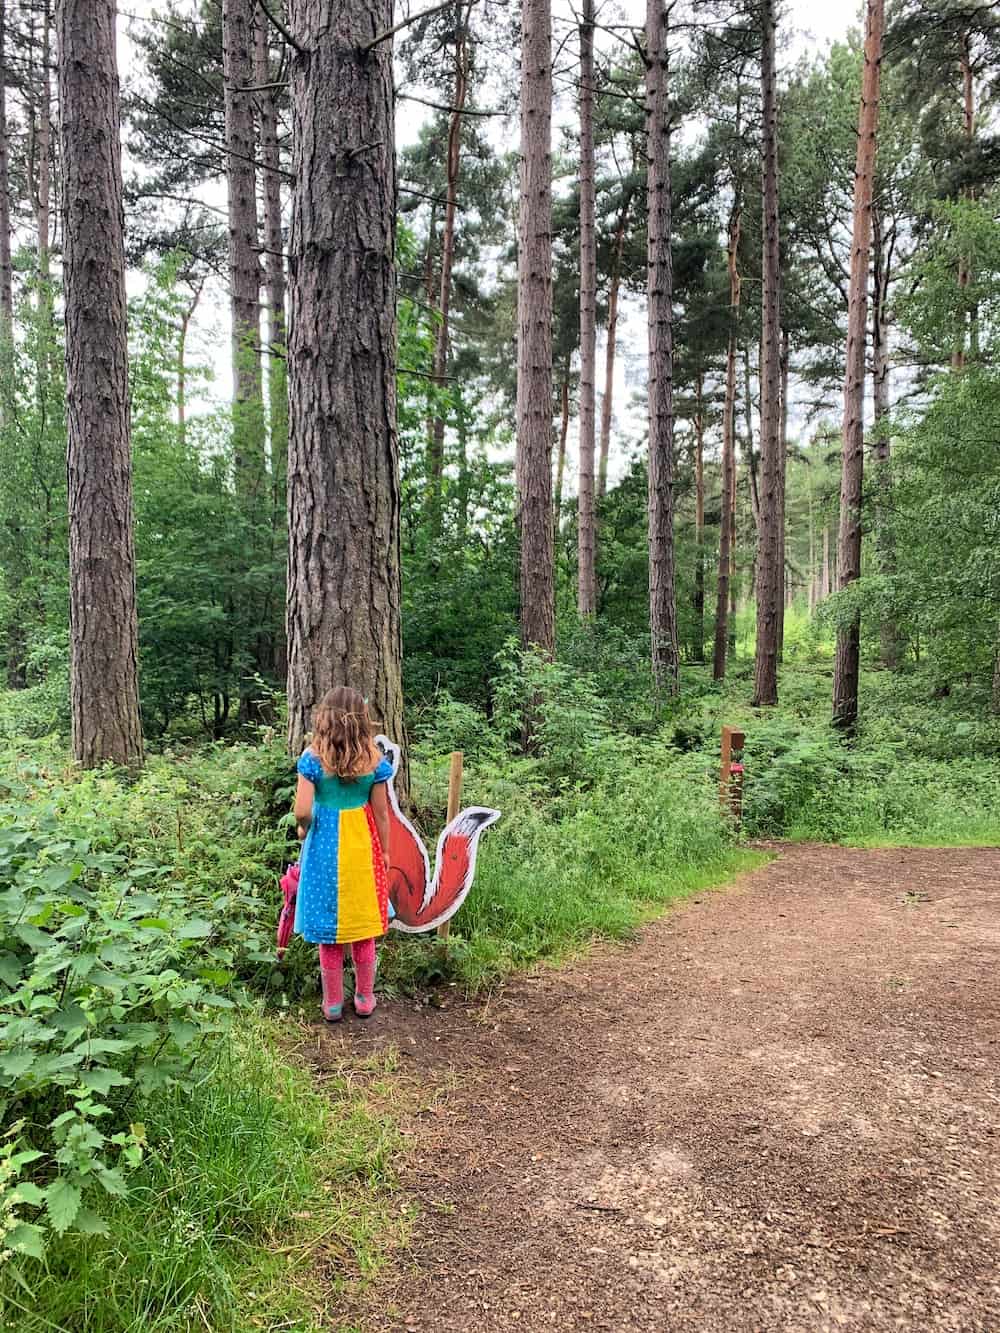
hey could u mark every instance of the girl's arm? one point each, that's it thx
(304, 794)
(379, 801)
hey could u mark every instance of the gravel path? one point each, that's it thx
(778, 1110)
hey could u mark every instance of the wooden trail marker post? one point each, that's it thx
(454, 801)
(730, 781)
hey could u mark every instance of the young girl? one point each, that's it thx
(342, 814)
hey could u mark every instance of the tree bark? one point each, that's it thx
(769, 574)
(561, 454)
(274, 247)
(890, 639)
(6, 269)
(244, 249)
(847, 664)
(41, 185)
(43, 201)
(751, 459)
(662, 597)
(782, 478)
(734, 588)
(435, 461)
(825, 580)
(186, 316)
(727, 520)
(534, 346)
(271, 647)
(462, 438)
(812, 552)
(969, 128)
(103, 626)
(343, 613)
(699, 520)
(586, 525)
(607, 401)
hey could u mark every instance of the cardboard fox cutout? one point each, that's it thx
(420, 901)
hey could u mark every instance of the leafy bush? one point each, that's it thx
(563, 710)
(251, 1152)
(567, 863)
(108, 995)
(125, 916)
(445, 724)
(42, 709)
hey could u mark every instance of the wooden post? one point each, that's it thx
(454, 801)
(730, 793)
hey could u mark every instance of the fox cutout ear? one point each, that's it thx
(419, 901)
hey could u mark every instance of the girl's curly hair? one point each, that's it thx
(343, 737)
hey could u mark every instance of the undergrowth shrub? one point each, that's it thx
(243, 1173)
(126, 916)
(566, 864)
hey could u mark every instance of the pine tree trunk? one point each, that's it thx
(586, 526)
(561, 454)
(662, 597)
(43, 202)
(969, 128)
(769, 574)
(435, 461)
(14, 648)
(782, 473)
(430, 293)
(271, 646)
(6, 269)
(727, 525)
(534, 344)
(41, 152)
(103, 627)
(812, 552)
(343, 462)
(244, 264)
(607, 401)
(462, 439)
(847, 664)
(274, 246)
(751, 459)
(734, 590)
(891, 642)
(698, 600)
(587, 585)
(826, 581)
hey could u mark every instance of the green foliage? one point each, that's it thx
(125, 916)
(243, 1173)
(110, 988)
(921, 770)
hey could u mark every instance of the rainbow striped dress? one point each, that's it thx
(343, 888)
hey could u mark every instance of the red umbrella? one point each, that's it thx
(290, 886)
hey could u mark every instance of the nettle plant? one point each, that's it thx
(108, 990)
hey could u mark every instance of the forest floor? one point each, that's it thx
(779, 1109)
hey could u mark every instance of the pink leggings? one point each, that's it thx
(331, 956)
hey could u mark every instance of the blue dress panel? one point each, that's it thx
(343, 888)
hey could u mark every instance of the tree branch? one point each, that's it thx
(409, 22)
(443, 106)
(277, 23)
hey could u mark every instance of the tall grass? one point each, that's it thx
(247, 1183)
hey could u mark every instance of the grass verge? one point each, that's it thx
(263, 1199)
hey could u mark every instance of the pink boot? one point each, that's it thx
(331, 970)
(363, 952)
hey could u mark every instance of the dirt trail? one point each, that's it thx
(778, 1111)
